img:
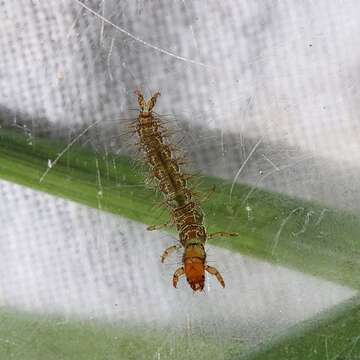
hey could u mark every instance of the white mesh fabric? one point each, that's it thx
(238, 74)
(63, 258)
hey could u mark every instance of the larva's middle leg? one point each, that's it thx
(222, 234)
(169, 251)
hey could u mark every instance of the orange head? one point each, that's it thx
(194, 266)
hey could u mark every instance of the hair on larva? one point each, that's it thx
(185, 211)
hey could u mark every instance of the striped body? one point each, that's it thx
(162, 164)
(186, 213)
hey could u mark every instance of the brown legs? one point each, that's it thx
(158, 227)
(222, 234)
(213, 271)
(179, 272)
(169, 251)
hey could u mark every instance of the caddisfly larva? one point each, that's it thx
(185, 210)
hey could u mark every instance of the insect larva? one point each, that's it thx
(186, 213)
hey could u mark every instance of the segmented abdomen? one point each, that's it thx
(189, 223)
(186, 213)
(164, 166)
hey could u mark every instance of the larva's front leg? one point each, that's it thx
(158, 227)
(213, 271)
(169, 251)
(179, 272)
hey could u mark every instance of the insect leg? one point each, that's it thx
(179, 272)
(222, 234)
(169, 251)
(158, 227)
(213, 271)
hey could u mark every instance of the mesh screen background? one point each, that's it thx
(61, 258)
(274, 86)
